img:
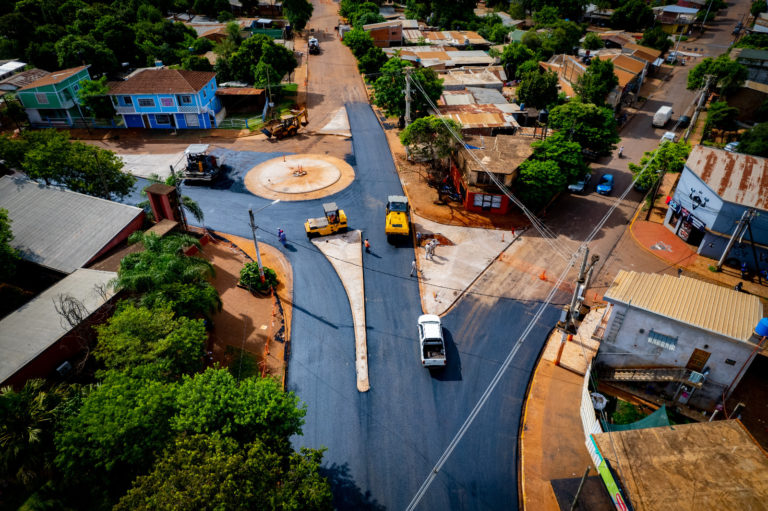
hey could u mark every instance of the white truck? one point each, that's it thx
(662, 116)
(431, 344)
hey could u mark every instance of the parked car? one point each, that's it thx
(431, 343)
(684, 121)
(605, 185)
(669, 135)
(580, 186)
(662, 116)
(732, 147)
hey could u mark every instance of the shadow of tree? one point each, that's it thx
(346, 494)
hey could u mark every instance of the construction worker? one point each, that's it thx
(367, 245)
(414, 268)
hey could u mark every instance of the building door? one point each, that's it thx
(698, 360)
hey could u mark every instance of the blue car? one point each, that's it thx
(605, 185)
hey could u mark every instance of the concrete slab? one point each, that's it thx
(299, 177)
(338, 125)
(344, 252)
(462, 256)
(144, 165)
(576, 354)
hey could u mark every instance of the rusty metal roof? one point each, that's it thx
(710, 307)
(239, 91)
(737, 178)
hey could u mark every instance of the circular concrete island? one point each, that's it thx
(299, 177)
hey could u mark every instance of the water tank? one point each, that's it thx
(762, 328)
(543, 116)
(158, 63)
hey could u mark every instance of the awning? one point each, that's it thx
(658, 62)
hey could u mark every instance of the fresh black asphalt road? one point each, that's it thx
(382, 444)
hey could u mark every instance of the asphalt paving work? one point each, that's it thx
(383, 443)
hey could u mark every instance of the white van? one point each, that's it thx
(662, 116)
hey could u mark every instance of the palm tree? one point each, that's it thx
(185, 202)
(162, 272)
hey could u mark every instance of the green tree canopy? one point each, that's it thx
(211, 472)
(563, 151)
(670, 157)
(538, 90)
(592, 41)
(246, 410)
(372, 61)
(721, 116)
(93, 95)
(9, 256)
(388, 88)
(655, 37)
(358, 41)
(298, 12)
(82, 168)
(243, 62)
(210, 7)
(755, 141)
(632, 15)
(513, 56)
(196, 63)
(546, 15)
(593, 127)
(538, 181)
(430, 138)
(728, 75)
(151, 342)
(597, 82)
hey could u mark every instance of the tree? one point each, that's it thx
(546, 15)
(538, 181)
(755, 141)
(196, 63)
(758, 7)
(250, 277)
(655, 37)
(728, 74)
(513, 56)
(358, 41)
(242, 64)
(372, 61)
(592, 42)
(210, 7)
(9, 256)
(93, 96)
(563, 38)
(117, 432)
(561, 150)
(80, 167)
(151, 342)
(669, 157)
(73, 50)
(246, 410)
(28, 420)
(756, 40)
(721, 116)
(538, 90)
(597, 82)
(633, 15)
(431, 137)
(388, 88)
(593, 127)
(298, 12)
(211, 472)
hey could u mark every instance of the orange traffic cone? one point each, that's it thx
(543, 275)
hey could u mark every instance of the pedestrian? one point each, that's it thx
(418, 239)
(621, 152)
(414, 268)
(367, 245)
(429, 250)
(679, 272)
(738, 287)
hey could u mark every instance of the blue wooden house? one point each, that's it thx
(160, 98)
(51, 100)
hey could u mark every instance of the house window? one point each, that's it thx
(127, 100)
(163, 119)
(147, 102)
(41, 98)
(186, 100)
(663, 341)
(75, 87)
(166, 101)
(487, 201)
(483, 178)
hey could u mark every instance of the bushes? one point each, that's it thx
(250, 278)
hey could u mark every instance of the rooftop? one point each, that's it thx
(36, 326)
(22, 79)
(482, 116)
(689, 467)
(57, 228)
(55, 77)
(473, 96)
(710, 307)
(459, 78)
(735, 177)
(447, 37)
(501, 154)
(162, 81)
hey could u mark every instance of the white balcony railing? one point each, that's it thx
(125, 109)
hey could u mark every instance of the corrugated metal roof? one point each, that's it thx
(27, 332)
(57, 228)
(735, 177)
(710, 307)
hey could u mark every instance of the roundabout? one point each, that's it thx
(299, 177)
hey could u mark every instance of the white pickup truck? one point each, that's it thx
(431, 344)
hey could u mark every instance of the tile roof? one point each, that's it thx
(710, 307)
(162, 81)
(55, 77)
(735, 177)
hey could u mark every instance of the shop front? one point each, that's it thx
(685, 224)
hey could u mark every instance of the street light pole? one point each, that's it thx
(256, 243)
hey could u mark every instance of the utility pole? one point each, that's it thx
(408, 71)
(746, 217)
(566, 320)
(699, 107)
(256, 243)
(654, 191)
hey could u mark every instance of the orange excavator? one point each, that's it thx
(287, 125)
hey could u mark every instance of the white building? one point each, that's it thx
(683, 336)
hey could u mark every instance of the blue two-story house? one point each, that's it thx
(160, 98)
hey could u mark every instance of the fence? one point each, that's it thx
(241, 123)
